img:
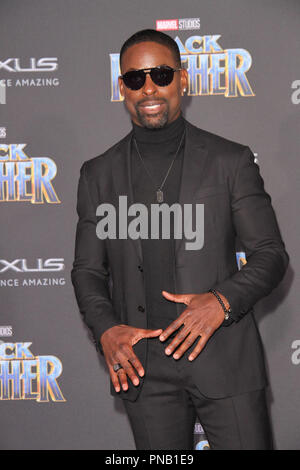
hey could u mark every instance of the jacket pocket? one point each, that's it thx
(211, 191)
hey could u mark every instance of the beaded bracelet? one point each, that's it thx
(227, 312)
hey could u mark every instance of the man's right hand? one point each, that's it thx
(117, 344)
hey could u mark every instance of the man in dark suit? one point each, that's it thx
(175, 324)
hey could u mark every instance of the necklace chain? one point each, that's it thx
(159, 192)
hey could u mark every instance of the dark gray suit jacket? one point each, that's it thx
(107, 274)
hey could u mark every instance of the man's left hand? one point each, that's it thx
(202, 317)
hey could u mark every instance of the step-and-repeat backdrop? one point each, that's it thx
(59, 106)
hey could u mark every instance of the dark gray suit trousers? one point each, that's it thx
(164, 414)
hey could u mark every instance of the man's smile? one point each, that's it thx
(151, 107)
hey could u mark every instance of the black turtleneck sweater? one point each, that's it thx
(158, 148)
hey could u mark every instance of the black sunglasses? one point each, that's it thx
(161, 76)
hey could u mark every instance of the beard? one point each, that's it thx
(153, 121)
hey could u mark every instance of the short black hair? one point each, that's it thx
(151, 35)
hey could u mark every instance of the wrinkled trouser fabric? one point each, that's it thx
(164, 414)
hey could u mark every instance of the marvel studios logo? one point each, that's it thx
(5, 331)
(178, 24)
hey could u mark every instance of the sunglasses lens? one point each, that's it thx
(162, 76)
(134, 80)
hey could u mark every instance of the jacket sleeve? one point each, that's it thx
(90, 273)
(257, 229)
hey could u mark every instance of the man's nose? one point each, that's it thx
(149, 87)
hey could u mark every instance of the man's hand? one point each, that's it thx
(202, 317)
(117, 345)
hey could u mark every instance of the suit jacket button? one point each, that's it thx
(140, 268)
(141, 308)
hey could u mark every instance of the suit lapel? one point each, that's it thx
(123, 182)
(195, 159)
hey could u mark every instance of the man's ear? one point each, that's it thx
(183, 81)
(121, 86)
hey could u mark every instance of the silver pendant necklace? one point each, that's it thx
(159, 191)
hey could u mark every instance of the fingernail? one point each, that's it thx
(176, 356)
(167, 351)
(161, 337)
(191, 358)
(136, 382)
